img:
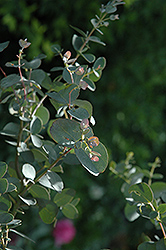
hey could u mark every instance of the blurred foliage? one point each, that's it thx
(129, 104)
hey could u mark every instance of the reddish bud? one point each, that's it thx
(84, 124)
(95, 158)
(93, 141)
(67, 54)
(83, 85)
(79, 71)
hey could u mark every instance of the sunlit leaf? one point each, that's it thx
(47, 211)
(29, 171)
(52, 180)
(28, 201)
(64, 197)
(38, 191)
(70, 211)
(37, 142)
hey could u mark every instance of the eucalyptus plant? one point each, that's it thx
(33, 177)
(145, 196)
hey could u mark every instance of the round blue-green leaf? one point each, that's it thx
(29, 171)
(3, 168)
(39, 155)
(163, 196)
(64, 197)
(96, 75)
(90, 83)
(65, 96)
(96, 39)
(79, 113)
(110, 8)
(162, 208)
(47, 211)
(143, 192)
(150, 245)
(77, 42)
(94, 168)
(70, 211)
(38, 75)
(85, 105)
(3, 45)
(65, 131)
(5, 204)
(153, 215)
(67, 76)
(89, 57)
(50, 151)
(10, 80)
(100, 63)
(5, 218)
(3, 185)
(37, 142)
(38, 191)
(35, 125)
(11, 188)
(52, 180)
(158, 188)
(161, 244)
(27, 156)
(11, 129)
(43, 114)
(34, 64)
(131, 212)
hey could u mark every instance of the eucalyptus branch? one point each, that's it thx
(17, 156)
(90, 34)
(19, 68)
(49, 168)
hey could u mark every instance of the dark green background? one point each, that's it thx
(129, 106)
